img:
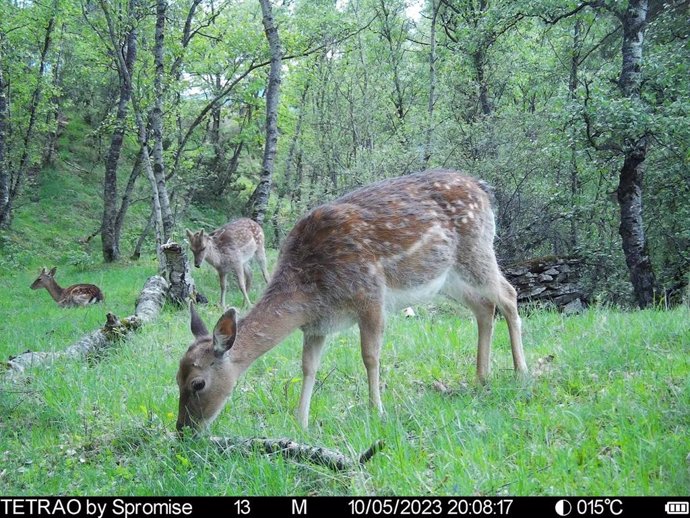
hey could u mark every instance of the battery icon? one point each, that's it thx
(677, 508)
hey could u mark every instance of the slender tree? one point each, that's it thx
(629, 191)
(4, 175)
(157, 123)
(125, 53)
(17, 175)
(259, 199)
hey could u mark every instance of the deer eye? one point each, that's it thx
(198, 384)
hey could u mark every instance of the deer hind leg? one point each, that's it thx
(311, 359)
(248, 276)
(239, 274)
(261, 259)
(507, 304)
(483, 310)
(371, 324)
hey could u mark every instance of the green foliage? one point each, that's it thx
(510, 107)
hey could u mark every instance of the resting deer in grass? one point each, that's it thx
(230, 248)
(378, 248)
(75, 295)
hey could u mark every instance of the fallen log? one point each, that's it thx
(148, 306)
(300, 452)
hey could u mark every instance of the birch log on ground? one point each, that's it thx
(148, 306)
(300, 452)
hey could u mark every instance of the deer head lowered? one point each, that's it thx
(381, 247)
(75, 295)
(230, 248)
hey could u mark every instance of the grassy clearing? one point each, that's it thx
(609, 415)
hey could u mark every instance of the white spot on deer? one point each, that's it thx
(470, 214)
(464, 221)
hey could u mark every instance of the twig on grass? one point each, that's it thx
(300, 452)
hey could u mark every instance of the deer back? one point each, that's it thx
(392, 242)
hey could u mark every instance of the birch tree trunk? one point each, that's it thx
(259, 199)
(631, 175)
(157, 123)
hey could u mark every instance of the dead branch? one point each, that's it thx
(148, 306)
(299, 452)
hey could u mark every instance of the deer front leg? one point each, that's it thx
(311, 358)
(371, 323)
(222, 277)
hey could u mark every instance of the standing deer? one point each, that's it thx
(230, 248)
(378, 248)
(75, 295)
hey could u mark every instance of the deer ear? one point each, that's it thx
(197, 325)
(190, 234)
(224, 332)
(52, 271)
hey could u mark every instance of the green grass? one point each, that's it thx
(609, 415)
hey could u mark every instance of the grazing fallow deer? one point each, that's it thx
(230, 248)
(75, 295)
(378, 248)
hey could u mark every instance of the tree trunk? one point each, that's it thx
(16, 179)
(155, 197)
(178, 274)
(290, 185)
(259, 199)
(127, 196)
(110, 237)
(157, 123)
(479, 58)
(631, 175)
(572, 94)
(632, 225)
(56, 117)
(142, 237)
(4, 175)
(435, 6)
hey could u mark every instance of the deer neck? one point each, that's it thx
(54, 289)
(213, 255)
(270, 321)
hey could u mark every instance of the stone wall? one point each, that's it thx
(554, 280)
